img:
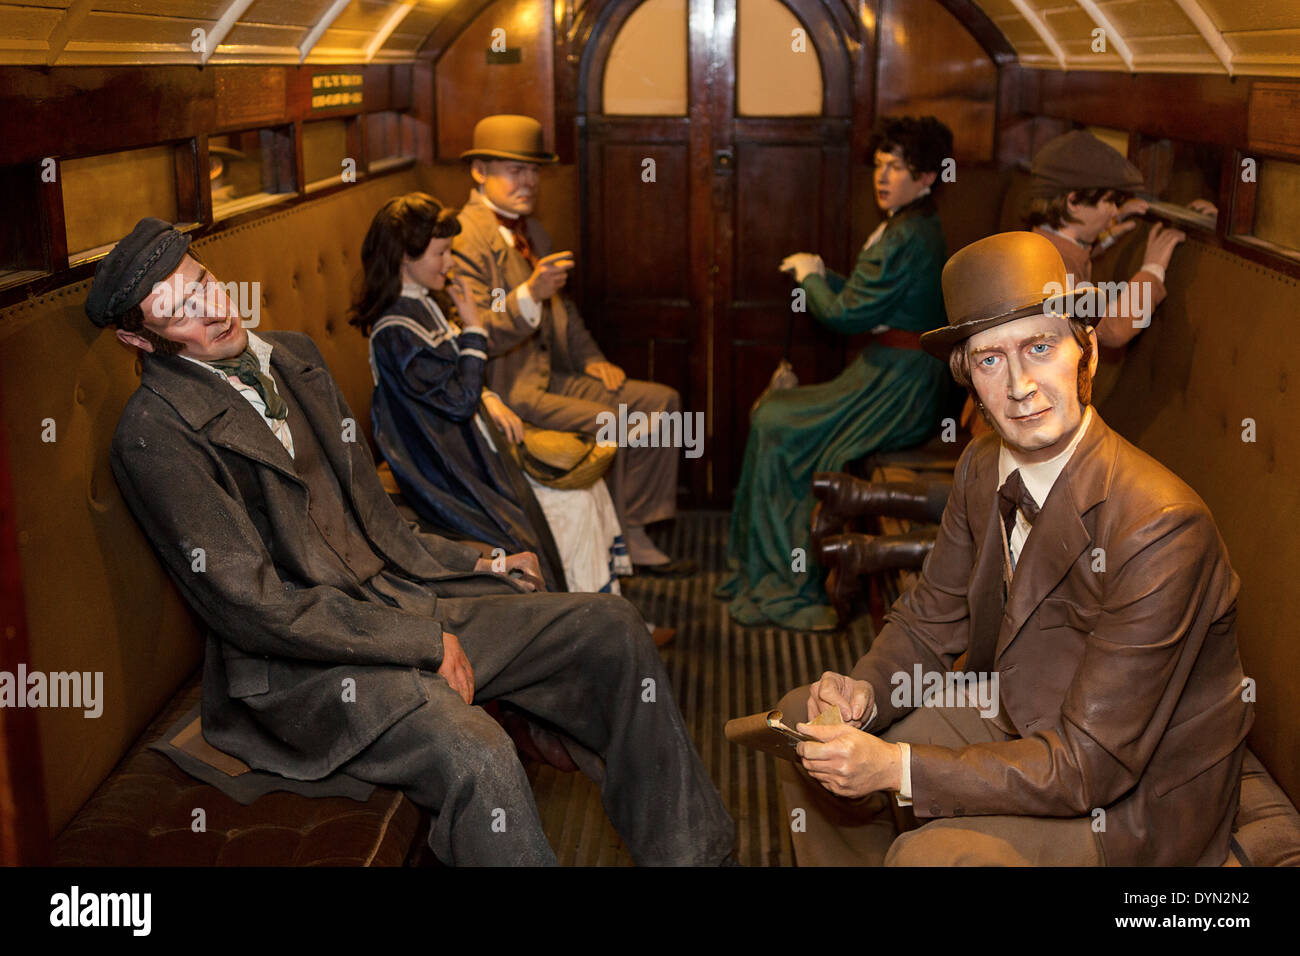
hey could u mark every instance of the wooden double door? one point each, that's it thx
(686, 219)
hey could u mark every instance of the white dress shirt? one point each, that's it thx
(262, 349)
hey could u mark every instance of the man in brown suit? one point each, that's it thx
(1091, 596)
(544, 362)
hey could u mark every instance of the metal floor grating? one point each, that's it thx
(718, 670)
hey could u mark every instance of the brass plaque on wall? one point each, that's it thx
(250, 96)
(1273, 118)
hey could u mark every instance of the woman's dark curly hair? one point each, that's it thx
(404, 226)
(922, 141)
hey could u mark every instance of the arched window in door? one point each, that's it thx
(645, 74)
(778, 72)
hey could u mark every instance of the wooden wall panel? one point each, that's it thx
(471, 83)
(643, 245)
(930, 65)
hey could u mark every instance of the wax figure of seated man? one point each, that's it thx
(1111, 725)
(543, 361)
(312, 585)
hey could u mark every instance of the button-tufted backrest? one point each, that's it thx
(1217, 367)
(96, 598)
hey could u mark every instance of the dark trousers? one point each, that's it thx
(585, 664)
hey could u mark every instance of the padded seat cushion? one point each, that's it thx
(1267, 829)
(143, 815)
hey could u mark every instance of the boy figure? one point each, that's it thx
(1080, 200)
(544, 362)
(1091, 596)
(341, 640)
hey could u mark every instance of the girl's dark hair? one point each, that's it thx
(404, 226)
(922, 141)
(1054, 211)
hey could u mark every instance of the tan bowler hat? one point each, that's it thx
(999, 279)
(507, 136)
(563, 460)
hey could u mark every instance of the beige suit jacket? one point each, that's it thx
(523, 358)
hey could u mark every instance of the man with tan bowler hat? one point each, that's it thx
(1062, 686)
(544, 362)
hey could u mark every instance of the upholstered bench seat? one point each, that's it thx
(143, 815)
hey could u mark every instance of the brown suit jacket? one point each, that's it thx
(1124, 684)
(522, 357)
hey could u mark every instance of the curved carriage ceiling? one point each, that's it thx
(1246, 37)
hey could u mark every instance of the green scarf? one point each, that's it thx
(248, 370)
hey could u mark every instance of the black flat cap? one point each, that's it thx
(1079, 160)
(128, 274)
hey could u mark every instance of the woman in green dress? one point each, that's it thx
(891, 396)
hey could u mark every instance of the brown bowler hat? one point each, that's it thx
(999, 279)
(506, 136)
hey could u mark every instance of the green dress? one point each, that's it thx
(888, 398)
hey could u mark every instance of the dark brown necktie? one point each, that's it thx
(989, 583)
(519, 226)
(1012, 495)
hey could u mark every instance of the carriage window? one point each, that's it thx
(645, 74)
(22, 249)
(1276, 198)
(104, 196)
(1180, 172)
(390, 139)
(250, 169)
(325, 153)
(778, 72)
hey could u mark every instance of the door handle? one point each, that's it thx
(724, 161)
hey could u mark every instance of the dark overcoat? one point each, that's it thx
(217, 496)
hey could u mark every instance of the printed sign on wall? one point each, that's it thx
(332, 90)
